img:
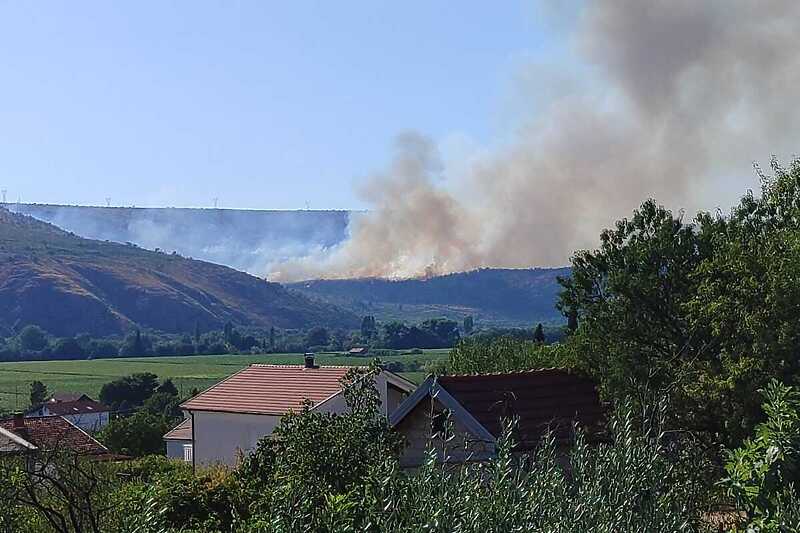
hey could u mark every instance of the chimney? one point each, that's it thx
(310, 361)
(19, 421)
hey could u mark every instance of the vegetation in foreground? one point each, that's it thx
(691, 330)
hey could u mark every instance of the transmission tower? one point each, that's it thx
(4, 191)
(216, 201)
(108, 201)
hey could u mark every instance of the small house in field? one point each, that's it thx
(22, 435)
(228, 419)
(78, 408)
(358, 350)
(474, 409)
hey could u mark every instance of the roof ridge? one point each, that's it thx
(270, 365)
(512, 373)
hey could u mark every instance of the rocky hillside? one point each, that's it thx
(493, 296)
(68, 285)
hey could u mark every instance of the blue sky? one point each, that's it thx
(262, 104)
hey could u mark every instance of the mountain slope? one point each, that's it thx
(68, 285)
(493, 296)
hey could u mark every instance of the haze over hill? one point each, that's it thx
(247, 240)
(68, 285)
(510, 297)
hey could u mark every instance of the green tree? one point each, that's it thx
(129, 391)
(136, 435)
(32, 338)
(163, 404)
(469, 324)
(538, 334)
(135, 345)
(168, 387)
(272, 339)
(368, 327)
(38, 393)
(317, 336)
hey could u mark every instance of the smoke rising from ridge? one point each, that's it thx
(674, 100)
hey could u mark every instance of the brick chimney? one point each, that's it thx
(309, 359)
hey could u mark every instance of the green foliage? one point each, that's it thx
(32, 338)
(38, 393)
(136, 435)
(538, 333)
(703, 312)
(468, 324)
(130, 391)
(506, 354)
(163, 404)
(763, 474)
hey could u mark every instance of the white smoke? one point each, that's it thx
(674, 100)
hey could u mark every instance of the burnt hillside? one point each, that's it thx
(68, 285)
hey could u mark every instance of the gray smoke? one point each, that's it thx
(670, 99)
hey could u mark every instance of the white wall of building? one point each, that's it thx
(224, 437)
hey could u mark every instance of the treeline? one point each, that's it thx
(33, 343)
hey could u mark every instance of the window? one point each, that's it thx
(188, 453)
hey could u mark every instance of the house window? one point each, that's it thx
(188, 453)
(439, 423)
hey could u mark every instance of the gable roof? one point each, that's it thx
(270, 389)
(75, 407)
(68, 397)
(182, 431)
(54, 432)
(541, 400)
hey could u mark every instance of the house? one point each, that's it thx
(230, 418)
(179, 441)
(359, 350)
(78, 408)
(477, 406)
(28, 435)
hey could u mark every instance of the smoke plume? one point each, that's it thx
(669, 99)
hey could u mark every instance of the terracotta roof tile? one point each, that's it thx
(77, 407)
(544, 398)
(55, 432)
(270, 389)
(182, 431)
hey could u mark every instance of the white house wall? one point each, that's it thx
(223, 437)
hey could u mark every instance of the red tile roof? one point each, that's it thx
(541, 398)
(270, 389)
(55, 432)
(182, 431)
(77, 407)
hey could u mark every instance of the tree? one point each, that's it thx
(197, 333)
(163, 404)
(130, 391)
(136, 435)
(272, 339)
(68, 347)
(135, 345)
(538, 334)
(469, 324)
(368, 327)
(32, 338)
(168, 387)
(38, 393)
(317, 336)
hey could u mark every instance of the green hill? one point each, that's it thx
(68, 285)
(503, 297)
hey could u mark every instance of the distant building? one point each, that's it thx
(475, 407)
(25, 435)
(80, 409)
(359, 350)
(228, 419)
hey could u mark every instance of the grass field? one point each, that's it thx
(186, 372)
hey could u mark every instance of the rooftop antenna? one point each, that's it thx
(216, 201)
(108, 201)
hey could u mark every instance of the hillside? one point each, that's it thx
(502, 297)
(67, 285)
(245, 239)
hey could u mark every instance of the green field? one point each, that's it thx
(186, 372)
